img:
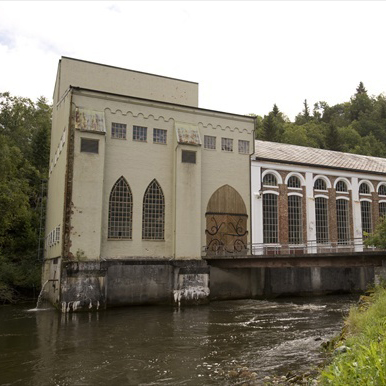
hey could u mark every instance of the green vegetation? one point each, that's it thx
(363, 360)
(24, 156)
(357, 126)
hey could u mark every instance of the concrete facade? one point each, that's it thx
(161, 147)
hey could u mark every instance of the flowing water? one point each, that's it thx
(202, 345)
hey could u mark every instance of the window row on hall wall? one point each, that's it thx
(160, 136)
(333, 220)
(120, 218)
(322, 183)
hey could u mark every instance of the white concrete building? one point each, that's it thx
(141, 180)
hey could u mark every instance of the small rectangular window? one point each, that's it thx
(243, 147)
(139, 133)
(226, 144)
(159, 136)
(209, 142)
(188, 156)
(88, 145)
(118, 130)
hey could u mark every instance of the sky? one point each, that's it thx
(245, 55)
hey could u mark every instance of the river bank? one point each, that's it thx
(360, 353)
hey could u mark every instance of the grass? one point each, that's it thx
(364, 361)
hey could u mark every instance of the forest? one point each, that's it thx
(356, 126)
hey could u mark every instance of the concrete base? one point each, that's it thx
(95, 285)
(244, 283)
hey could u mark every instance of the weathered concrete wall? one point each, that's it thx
(273, 282)
(94, 285)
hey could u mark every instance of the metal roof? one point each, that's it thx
(301, 155)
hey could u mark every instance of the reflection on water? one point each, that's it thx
(166, 346)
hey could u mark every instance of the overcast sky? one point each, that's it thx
(246, 56)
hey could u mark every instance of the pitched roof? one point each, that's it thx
(284, 153)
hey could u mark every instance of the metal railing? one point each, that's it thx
(307, 248)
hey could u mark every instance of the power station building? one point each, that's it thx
(141, 180)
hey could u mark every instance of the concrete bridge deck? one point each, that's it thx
(337, 259)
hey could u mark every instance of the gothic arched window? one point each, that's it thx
(120, 211)
(153, 213)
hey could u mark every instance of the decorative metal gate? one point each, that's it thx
(226, 223)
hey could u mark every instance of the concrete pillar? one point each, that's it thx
(357, 219)
(311, 222)
(257, 210)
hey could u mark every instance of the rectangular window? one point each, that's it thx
(243, 147)
(295, 229)
(88, 145)
(321, 220)
(139, 133)
(188, 156)
(209, 142)
(226, 144)
(159, 136)
(342, 221)
(118, 130)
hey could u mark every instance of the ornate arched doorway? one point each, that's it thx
(226, 222)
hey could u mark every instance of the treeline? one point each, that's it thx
(24, 156)
(357, 126)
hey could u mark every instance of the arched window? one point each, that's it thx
(382, 209)
(366, 216)
(341, 186)
(343, 222)
(294, 182)
(321, 217)
(320, 184)
(120, 211)
(364, 188)
(269, 180)
(270, 218)
(153, 213)
(295, 228)
(382, 190)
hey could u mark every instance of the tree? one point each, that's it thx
(24, 138)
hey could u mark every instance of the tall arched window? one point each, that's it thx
(294, 182)
(320, 184)
(382, 190)
(270, 219)
(366, 216)
(364, 188)
(295, 228)
(321, 216)
(120, 211)
(270, 180)
(343, 222)
(341, 186)
(153, 213)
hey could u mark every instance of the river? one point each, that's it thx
(204, 345)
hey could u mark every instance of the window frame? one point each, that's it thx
(243, 146)
(209, 141)
(118, 130)
(163, 137)
(138, 133)
(227, 144)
